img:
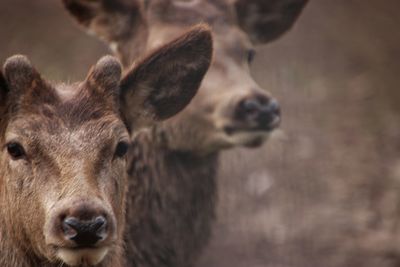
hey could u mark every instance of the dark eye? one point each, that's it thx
(121, 149)
(250, 55)
(15, 150)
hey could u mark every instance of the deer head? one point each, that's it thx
(63, 172)
(231, 109)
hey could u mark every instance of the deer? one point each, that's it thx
(230, 110)
(65, 150)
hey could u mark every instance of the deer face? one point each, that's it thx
(63, 160)
(63, 163)
(236, 110)
(75, 175)
(230, 109)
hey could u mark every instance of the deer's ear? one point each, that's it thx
(110, 20)
(104, 77)
(164, 83)
(83, 11)
(265, 21)
(20, 75)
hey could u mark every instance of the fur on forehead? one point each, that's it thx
(90, 99)
(21, 76)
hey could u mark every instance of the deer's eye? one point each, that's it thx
(121, 149)
(251, 53)
(15, 150)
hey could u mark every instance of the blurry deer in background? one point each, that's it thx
(230, 110)
(63, 158)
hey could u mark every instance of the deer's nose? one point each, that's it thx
(269, 114)
(260, 110)
(85, 233)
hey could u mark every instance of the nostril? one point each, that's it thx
(273, 107)
(99, 225)
(248, 107)
(269, 115)
(85, 233)
(68, 228)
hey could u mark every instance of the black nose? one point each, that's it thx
(264, 112)
(269, 113)
(85, 233)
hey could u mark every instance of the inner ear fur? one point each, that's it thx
(163, 83)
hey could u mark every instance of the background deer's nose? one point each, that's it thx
(85, 233)
(260, 110)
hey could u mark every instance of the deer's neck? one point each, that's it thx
(171, 202)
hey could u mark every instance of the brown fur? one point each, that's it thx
(173, 188)
(69, 134)
(171, 194)
(42, 120)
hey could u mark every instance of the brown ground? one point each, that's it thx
(325, 191)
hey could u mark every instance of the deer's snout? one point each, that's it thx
(81, 224)
(259, 111)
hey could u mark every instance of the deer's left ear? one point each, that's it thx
(165, 82)
(266, 20)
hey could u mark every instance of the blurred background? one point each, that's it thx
(325, 190)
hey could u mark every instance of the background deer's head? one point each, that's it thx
(230, 109)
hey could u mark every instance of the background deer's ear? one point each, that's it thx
(83, 11)
(115, 22)
(164, 83)
(266, 20)
(110, 20)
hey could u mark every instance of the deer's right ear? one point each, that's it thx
(165, 82)
(20, 75)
